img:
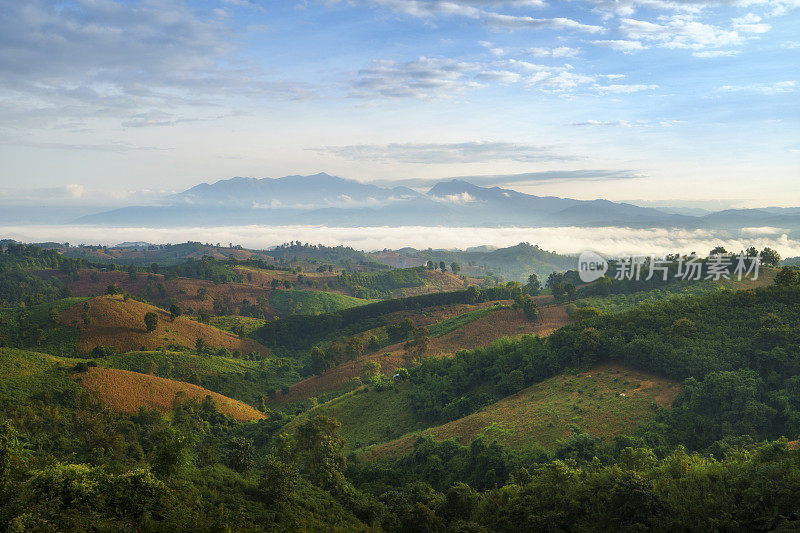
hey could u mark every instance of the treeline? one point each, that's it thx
(302, 332)
(585, 485)
(19, 286)
(375, 285)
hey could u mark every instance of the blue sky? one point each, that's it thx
(111, 101)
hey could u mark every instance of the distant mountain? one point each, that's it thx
(305, 192)
(330, 200)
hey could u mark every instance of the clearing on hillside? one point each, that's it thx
(312, 302)
(115, 322)
(126, 392)
(480, 332)
(605, 401)
(198, 294)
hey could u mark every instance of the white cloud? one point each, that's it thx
(680, 32)
(606, 240)
(560, 51)
(500, 76)
(710, 54)
(626, 123)
(621, 45)
(625, 89)
(424, 78)
(779, 87)
(444, 153)
(90, 59)
(512, 22)
(458, 199)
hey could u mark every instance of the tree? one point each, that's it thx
(154, 268)
(442, 266)
(9, 450)
(321, 451)
(150, 321)
(200, 345)
(455, 268)
(277, 480)
(569, 290)
(370, 369)
(585, 313)
(131, 271)
(770, 257)
(534, 286)
(242, 454)
(787, 277)
(355, 347)
(174, 312)
(526, 304)
(718, 250)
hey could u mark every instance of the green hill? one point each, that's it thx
(312, 302)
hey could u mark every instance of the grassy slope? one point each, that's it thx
(119, 323)
(367, 417)
(614, 303)
(126, 392)
(25, 375)
(312, 302)
(604, 401)
(482, 331)
(236, 378)
(230, 322)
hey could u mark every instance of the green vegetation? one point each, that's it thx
(38, 328)
(311, 302)
(238, 325)
(577, 431)
(300, 332)
(377, 285)
(451, 324)
(247, 381)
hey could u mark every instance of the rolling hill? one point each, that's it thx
(126, 392)
(113, 321)
(605, 401)
(475, 331)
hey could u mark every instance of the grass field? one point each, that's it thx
(236, 378)
(230, 323)
(446, 326)
(312, 302)
(126, 392)
(605, 401)
(119, 323)
(367, 417)
(26, 375)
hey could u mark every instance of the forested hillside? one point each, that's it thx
(609, 406)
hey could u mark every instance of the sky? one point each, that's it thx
(105, 101)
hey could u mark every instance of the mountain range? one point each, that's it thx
(322, 199)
